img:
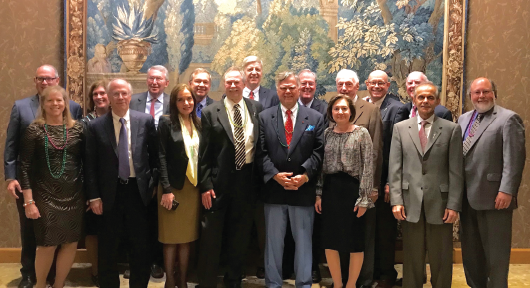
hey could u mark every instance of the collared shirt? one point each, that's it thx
(159, 106)
(294, 112)
(355, 99)
(427, 126)
(248, 126)
(117, 127)
(308, 105)
(246, 93)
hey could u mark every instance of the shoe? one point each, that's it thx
(384, 284)
(157, 271)
(399, 282)
(95, 280)
(243, 275)
(260, 273)
(315, 276)
(26, 282)
(127, 274)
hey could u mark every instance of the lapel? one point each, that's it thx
(253, 118)
(358, 109)
(299, 127)
(384, 106)
(263, 96)
(436, 130)
(166, 103)
(109, 127)
(408, 107)
(486, 121)
(277, 122)
(222, 117)
(142, 102)
(315, 105)
(34, 105)
(134, 131)
(208, 100)
(414, 134)
(178, 139)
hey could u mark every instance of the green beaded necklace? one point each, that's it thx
(46, 140)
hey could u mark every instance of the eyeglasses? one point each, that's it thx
(485, 92)
(285, 88)
(47, 79)
(375, 83)
(158, 79)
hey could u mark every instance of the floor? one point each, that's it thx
(80, 277)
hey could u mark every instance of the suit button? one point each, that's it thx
(424, 172)
(421, 188)
(289, 159)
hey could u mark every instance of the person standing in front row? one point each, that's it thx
(494, 158)
(226, 180)
(121, 170)
(290, 155)
(426, 185)
(343, 190)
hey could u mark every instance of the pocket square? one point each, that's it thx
(310, 128)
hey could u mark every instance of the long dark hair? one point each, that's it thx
(174, 111)
(100, 83)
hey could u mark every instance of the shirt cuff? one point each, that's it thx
(95, 199)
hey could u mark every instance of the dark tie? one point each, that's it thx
(471, 134)
(123, 152)
(239, 138)
(152, 111)
(251, 95)
(288, 128)
(413, 111)
(199, 110)
(423, 135)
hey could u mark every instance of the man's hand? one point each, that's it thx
(299, 180)
(167, 200)
(360, 211)
(97, 206)
(13, 187)
(32, 212)
(283, 179)
(399, 212)
(207, 198)
(450, 216)
(502, 201)
(387, 193)
(318, 205)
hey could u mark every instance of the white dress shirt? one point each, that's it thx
(294, 112)
(248, 126)
(427, 126)
(117, 127)
(159, 106)
(246, 93)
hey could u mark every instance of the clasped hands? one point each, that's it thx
(290, 182)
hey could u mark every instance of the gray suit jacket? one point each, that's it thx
(139, 100)
(434, 177)
(496, 158)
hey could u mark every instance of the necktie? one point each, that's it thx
(471, 134)
(251, 95)
(239, 138)
(152, 111)
(288, 128)
(423, 135)
(199, 110)
(123, 153)
(413, 111)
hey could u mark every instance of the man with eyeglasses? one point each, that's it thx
(22, 114)
(414, 79)
(494, 159)
(384, 228)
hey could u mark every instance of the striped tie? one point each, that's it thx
(239, 138)
(469, 138)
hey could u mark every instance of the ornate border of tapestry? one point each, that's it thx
(75, 49)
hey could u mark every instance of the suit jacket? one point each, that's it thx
(496, 158)
(139, 101)
(268, 97)
(368, 116)
(217, 149)
(23, 113)
(322, 107)
(434, 178)
(209, 101)
(304, 155)
(392, 112)
(173, 158)
(101, 163)
(440, 111)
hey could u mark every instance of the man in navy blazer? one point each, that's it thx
(414, 79)
(22, 114)
(253, 67)
(121, 170)
(157, 81)
(290, 152)
(200, 82)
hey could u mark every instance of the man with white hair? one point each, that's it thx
(253, 69)
(414, 79)
(150, 101)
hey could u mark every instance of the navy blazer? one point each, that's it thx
(139, 101)
(23, 113)
(322, 107)
(304, 155)
(268, 97)
(101, 163)
(439, 111)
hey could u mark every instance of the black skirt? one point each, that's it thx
(341, 229)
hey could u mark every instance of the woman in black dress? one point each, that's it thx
(51, 181)
(344, 189)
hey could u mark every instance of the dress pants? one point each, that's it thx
(288, 251)
(259, 221)
(301, 220)
(438, 239)
(486, 237)
(385, 241)
(128, 215)
(231, 212)
(157, 256)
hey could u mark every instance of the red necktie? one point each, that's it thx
(414, 111)
(251, 95)
(423, 135)
(288, 128)
(152, 111)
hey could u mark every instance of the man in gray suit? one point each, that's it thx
(494, 158)
(156, 83)
(426, 185)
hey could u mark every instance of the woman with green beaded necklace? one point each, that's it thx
(51, 181)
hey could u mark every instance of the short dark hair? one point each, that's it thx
(334, 100)
(174, 111)
(100, 83)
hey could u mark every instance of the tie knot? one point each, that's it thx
(288, 112)
(424, 122)
(480, 116)
(199, 106)
(122, 121)
(236, 106)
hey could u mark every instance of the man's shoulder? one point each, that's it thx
(441, 109)
(310, 112)
(406, 123)
(25, 101)
(446, 123)
(140, 115)
(141, 95)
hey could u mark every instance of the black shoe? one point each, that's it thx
(95, 280)
(26, 282)
(127, 274)
(399, 282)
(156, 271)
(315, 276)
(260, 273)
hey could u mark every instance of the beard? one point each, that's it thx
(483, 107)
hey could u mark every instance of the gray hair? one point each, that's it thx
(251, 59)
(159, 68)
(49, 66)
(347, 73)
(284, 75)
(493, 86)
(419, 72)
(430, 84)
(198, 71)
(109, 92)
(307, 71)
(234, 68)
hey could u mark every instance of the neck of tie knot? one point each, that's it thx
(236, 106)
(424, 122)
(122, 121)
(288, 113)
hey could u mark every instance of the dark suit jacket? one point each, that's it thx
(173, 158)
(101, 163)
(439, 111)
(268, 97)
(209, 101)
(217, 149)
(304, 155)
(22, 114)
(139, 101)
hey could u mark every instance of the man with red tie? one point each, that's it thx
(253, 69)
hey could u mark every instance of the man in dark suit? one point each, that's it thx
(22, 114)
(121, 170)
(414, 79)
(253, 67)
(392, 112)
(200, 82)
(226, 180)
(291, 148)
(368, 116)
(494, 159)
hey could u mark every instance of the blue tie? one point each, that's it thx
(199, 110)
(123, 153)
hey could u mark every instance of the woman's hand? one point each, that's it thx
(318, 205)
(32, 212)
(167, 200)
(360, 211)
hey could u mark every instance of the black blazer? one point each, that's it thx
(173, 158)
(322, 107)
(304, 155)
(217, 150)
(23, 113)
(439, 111)
(101, 163)
(268, 97)
(139, 101)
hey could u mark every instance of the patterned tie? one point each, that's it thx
(469, 138)
(199, 110)
(251, 95)
(123, 153)
(423, 135)
(288, 128)
(239, 138)
(414, 111)
(152, 110)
